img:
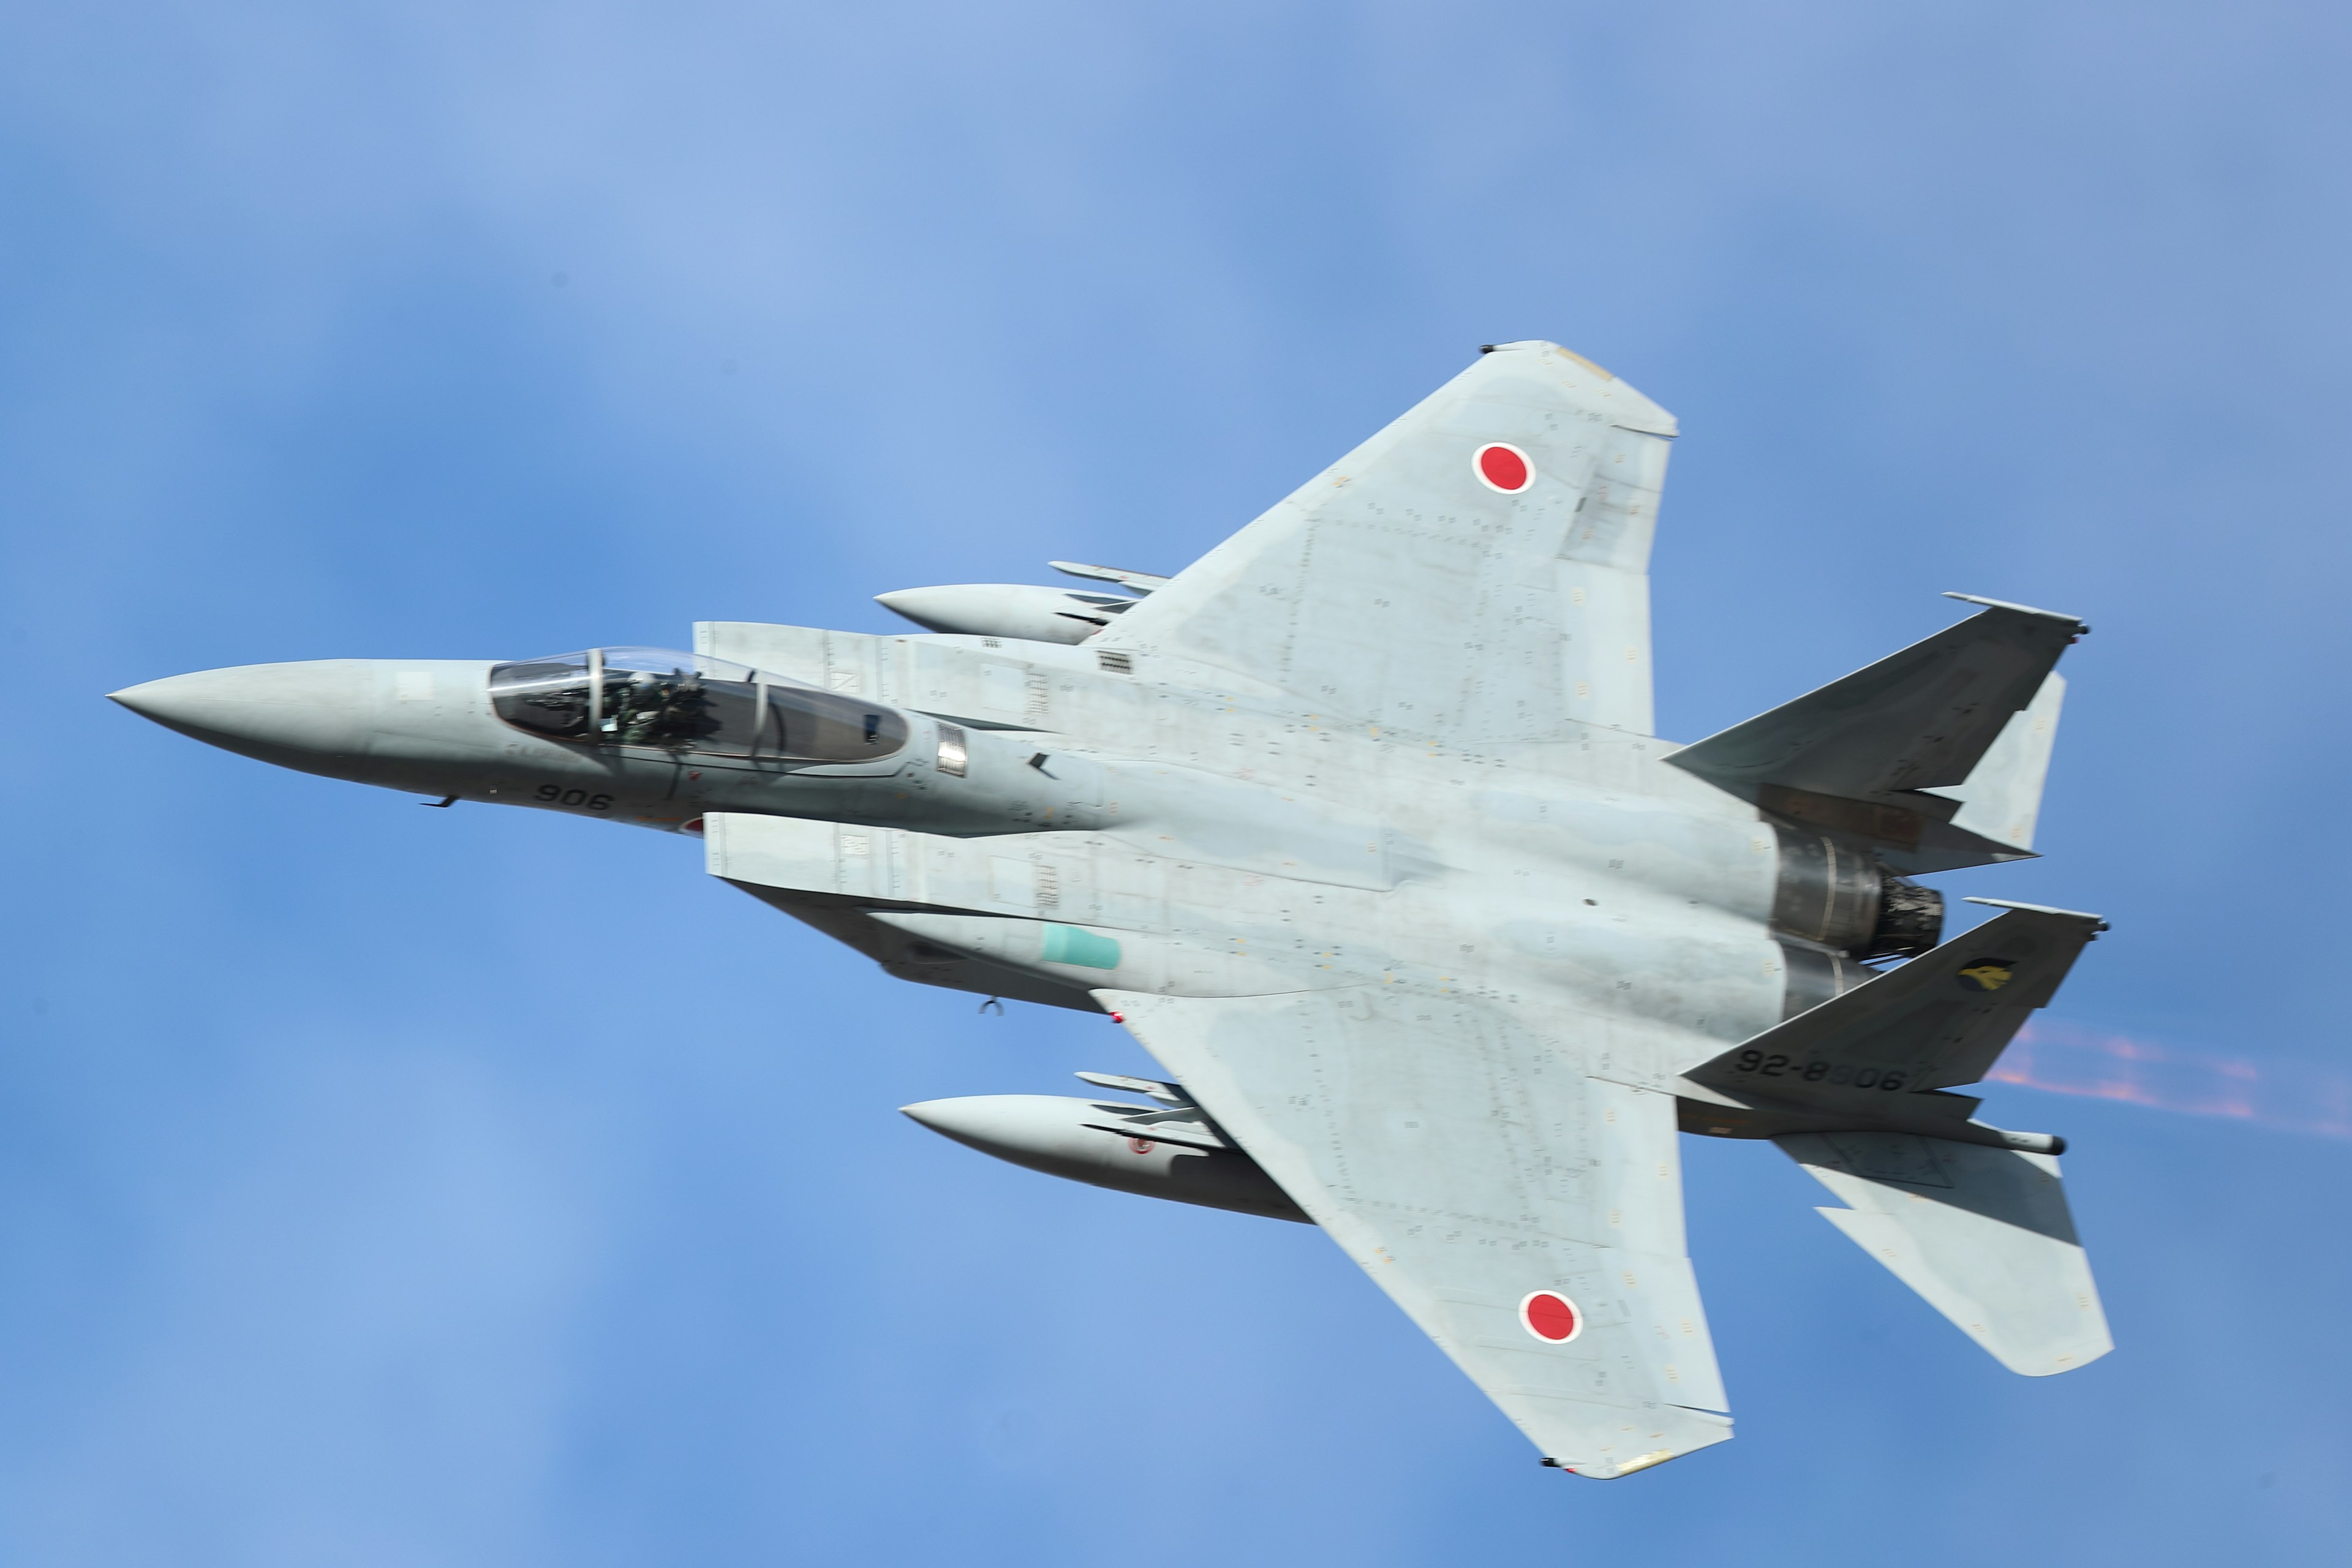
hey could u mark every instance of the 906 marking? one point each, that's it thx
(1817, 1071)
(556, 795)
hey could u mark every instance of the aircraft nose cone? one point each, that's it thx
(989, 1122)
(320, 708)
(938, 1115)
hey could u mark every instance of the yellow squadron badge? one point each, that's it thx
(1988, 975)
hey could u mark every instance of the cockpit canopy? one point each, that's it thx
(683, 701)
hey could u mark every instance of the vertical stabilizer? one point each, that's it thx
(1933, 756)
(2002, 797)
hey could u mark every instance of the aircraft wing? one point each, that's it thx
(1478, 570)
(1528, 1217)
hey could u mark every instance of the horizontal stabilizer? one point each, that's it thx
(1982, 1233)
(1891, 752)
(1943, 1018)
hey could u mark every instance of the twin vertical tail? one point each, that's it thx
(1933, 758)
(1930, 760)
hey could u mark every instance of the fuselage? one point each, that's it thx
(1578, 882)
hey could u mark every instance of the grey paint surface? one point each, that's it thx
(1160, 1150)
(1983, 1234)
(1358, 825)
(1007, 609)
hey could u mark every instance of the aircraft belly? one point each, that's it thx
(1068, 906)
(1591, 844)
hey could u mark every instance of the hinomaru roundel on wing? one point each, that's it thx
(1503, 468)
(1550, 1317)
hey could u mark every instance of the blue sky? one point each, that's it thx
(379, 1187)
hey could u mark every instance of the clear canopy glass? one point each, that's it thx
(683, 701)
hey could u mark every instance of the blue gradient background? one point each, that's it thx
(383, 1186)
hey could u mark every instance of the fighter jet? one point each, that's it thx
(1359, 824)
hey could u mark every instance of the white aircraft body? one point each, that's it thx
(1359, 826)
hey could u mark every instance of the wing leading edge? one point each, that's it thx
(1488, 1185)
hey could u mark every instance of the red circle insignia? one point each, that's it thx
(1502, 467)
(1550, 1317)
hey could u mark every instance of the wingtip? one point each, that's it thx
(2098, 922)
(1545, 345)
(2081, 627)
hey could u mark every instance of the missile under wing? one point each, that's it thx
(1358, 824)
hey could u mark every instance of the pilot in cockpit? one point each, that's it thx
(681, 701)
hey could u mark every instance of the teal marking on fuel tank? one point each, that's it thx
(1068, 944)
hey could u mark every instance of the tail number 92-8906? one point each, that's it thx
(1817, 1071)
